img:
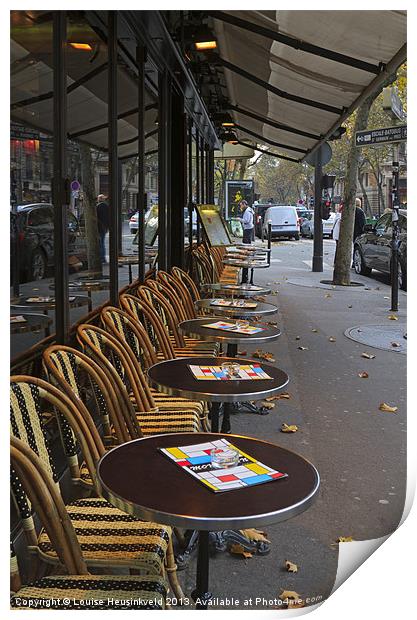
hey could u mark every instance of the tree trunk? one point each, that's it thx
(90, 211)
(366, 205)
(341, 273)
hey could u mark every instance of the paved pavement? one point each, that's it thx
(359, 451)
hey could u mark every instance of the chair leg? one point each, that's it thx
(171, 569)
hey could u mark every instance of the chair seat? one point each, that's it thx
(178, 421)
(108, 536)
(67, 592)
(169, 403)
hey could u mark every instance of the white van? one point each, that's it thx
(284, 222)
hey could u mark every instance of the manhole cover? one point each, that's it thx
(340, 285)
(386, 337)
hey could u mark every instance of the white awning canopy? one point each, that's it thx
(315, 90)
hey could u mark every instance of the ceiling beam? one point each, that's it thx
(273, 89)
(83, 132)
(271, 142)
(268, 121)
(266, 152)
(297, 44)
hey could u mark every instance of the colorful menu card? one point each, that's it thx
(196, 460)
(247, 372)
(233, 327)
(235, 303)
(18, 318)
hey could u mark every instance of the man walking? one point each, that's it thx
(248, 230)
(103, 223)
(360, 221)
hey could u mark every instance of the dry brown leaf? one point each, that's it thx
(363, 375)
(267, 405)
(256, 535)
(291, 567)
(239, 550)
(368, 356)
(344, 539)
(291, 598)
(328, 295)
(282, 396)
(259, 298)
(387, 408)
(395, 344)
(289, 428)
(263, 355)
(332, 339)
(303, 348)
(393, 317)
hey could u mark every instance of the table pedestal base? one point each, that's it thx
(218, 542)
(237, 407)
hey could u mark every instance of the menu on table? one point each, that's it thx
(196, 461)
(18, 318)
(40, 300)
(235, 303)
(246, 372)
(233, 327)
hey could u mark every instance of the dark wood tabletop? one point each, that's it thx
(79, 300)
(140, 480)
(240, 290)
(32, 323)
(261, 308)
(174, 377)
(195, 329)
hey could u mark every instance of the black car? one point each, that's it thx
(32, 238)
(372, 249)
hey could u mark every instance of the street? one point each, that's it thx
(360, 451)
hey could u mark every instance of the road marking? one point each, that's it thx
(310, 262)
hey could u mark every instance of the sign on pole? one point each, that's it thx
(391, 101)
(236, 191)
(381, 136)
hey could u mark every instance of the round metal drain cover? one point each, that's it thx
(341, 285)
(386, 337)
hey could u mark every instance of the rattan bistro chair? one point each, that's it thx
(106, 535)
(181, 291)
(69, 590)
(108, 351)
(189, 284)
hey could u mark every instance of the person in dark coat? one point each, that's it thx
(360, 221)
(103, 223)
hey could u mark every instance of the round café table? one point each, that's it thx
(240, 290)
(262, 308)
(32, 323)
(174, 377)
(44, 306)
(195, 329)
(141, 481)
(129, 260)
(251, 264)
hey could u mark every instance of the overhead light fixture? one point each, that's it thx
(86, 47)
(227, 120)
(202, 46)
(203, 39)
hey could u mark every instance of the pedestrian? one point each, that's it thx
(103, 223)
(360, 221)
(336, 229)
(248, 229)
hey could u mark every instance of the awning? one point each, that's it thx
(311, 90)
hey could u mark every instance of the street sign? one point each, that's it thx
(75, 186)
(381, 136)
(392, 102)
(325, 152)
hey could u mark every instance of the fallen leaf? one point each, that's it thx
(291, 598)
(393, 317)
(344, 539)
(273, 323)
(283, 395)
(387, 408)
(259, 298)
(386, 297)
(332, 339)
(327, 295)
(289, 428)
(239, 550)
(368, 356)
(395, 344)
(314, 330)
(350, 306)
(303, 348)
(263, 355)
(298, 337)
(256, 535)
(363, 375)
(291, 568)
(267, 405)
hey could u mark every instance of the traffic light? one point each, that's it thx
(311, 201)
(325, 208)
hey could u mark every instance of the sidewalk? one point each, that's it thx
(360, 452)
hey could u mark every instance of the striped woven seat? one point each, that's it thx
(92, 592)
(107, 534)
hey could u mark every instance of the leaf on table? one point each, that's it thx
(368, 356)
(393, 317)
(239, 550)
(303, 348)
(289, 428)
(255, 535)
(363, 375)
(291, 598)
(395, 344)
(263, 355)
(291, 567)
(332, 339)
(387, 408)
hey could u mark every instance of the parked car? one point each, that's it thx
(372, 249)
(187, 220)
(304, 214)
(284, 222)
(307, 227)
(260, 210)
(133, 223)
(32, 237)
